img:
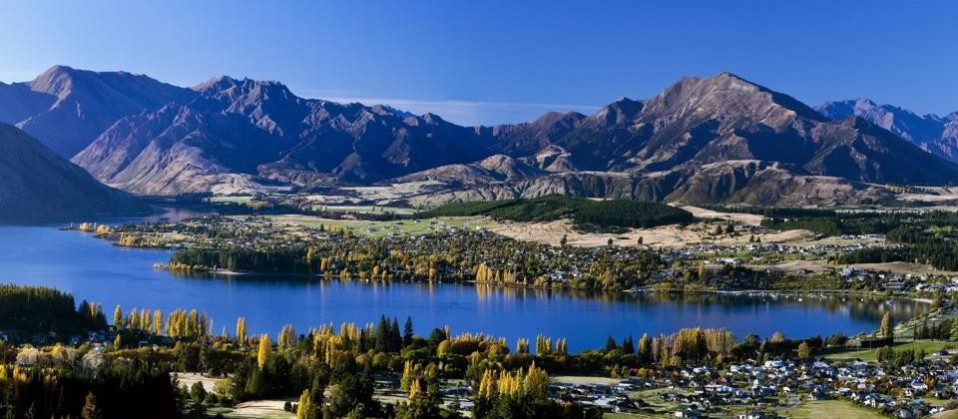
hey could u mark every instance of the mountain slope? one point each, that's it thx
(932, 133)
(243, 128)
(38, 184)
(235, 136)
(740, 182)
(721, 118)
(699, 124)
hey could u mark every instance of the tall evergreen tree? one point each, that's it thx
(408, 333)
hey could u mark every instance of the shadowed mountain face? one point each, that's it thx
(38, 184)
(935, 134)
(228, 135)
(233, 131)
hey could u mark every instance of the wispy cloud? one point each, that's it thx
(467, 112)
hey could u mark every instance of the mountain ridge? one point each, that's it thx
(935, 134)
(228, 135)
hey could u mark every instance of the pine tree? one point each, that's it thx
(408, 334)
(628, 347)
(645, 349)
(382, 335)
(395, 338)
(610, 344)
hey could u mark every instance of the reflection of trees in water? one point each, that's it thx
(856, 307)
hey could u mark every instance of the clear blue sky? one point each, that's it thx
(502, 61)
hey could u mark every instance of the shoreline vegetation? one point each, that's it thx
(453, 253)
(384, 370)
(387, 370)
(647, 289)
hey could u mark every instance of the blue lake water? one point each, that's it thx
(96, 270)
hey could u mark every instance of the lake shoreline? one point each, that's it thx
(644, 290)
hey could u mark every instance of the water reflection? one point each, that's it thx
(98, 271)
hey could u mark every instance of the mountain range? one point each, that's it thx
(702, 140)
(935, 134)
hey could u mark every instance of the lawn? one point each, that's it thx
(929, 346)
(831, 409)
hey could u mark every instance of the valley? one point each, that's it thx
(491, 210)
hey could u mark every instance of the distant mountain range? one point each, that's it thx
(716, 139)
(935, 134)
(38, 184)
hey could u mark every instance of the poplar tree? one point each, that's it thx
(241, 331)
(287, 338)
(804, 351)
(265, 351)
(118, 317)
(306, 409)
(157, 322)
(887, 326)
(90, 408)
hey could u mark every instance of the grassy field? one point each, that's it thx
(830, 409)
(948, 414)
(239, 199)
(386, 228)
(929, 346)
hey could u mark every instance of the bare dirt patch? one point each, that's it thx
(702, 213)
(188, 378)
(260, 409)
(672, 236)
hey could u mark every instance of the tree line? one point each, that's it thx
(583, 212)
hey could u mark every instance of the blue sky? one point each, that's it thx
(502, 61)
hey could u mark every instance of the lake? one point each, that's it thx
(96, 270)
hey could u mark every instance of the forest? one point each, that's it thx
(585, 213)
(33, 310)
(117, 378)
(461, 256)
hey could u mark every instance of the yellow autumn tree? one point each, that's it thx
(306, 409)
(287, 338)
(241, 330)
(265, 351)
(118, 317)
